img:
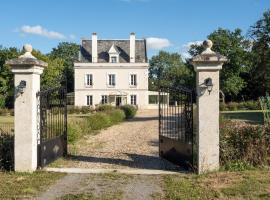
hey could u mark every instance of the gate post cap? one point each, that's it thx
(207, 44)
(28, 48)
(27, 59)
(208, 57)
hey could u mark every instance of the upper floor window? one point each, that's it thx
(89, 100)
(111, 79)
(88, 80)
(133, 79)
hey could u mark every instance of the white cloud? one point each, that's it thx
(39, 30)
(189, 44)
(186, 47)
(157, 43)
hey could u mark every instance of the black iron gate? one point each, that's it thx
(52, 114)
(176, 125)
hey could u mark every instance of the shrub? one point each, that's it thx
(98, 121)
(105, 108)
(244, 143)
(79, 126)
(2, 101)
(245, 105)
(129, 110)
(116, 116)
(6, 152)
(86, 109)
(79, 110)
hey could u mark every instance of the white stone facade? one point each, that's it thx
(116, 81)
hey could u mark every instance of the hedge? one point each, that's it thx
(245, 105)
(130, 111)
(243, 145)
(88, 125)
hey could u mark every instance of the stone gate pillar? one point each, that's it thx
(27, 70)
(207, 66)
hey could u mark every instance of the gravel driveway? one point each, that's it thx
(131, 144)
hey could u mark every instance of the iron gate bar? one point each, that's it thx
(176, 125)
(53, 124)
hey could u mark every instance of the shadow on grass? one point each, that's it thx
(250, 117)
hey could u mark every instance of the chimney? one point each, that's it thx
(94, 48)
(132, 47)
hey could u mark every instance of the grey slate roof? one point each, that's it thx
(105, 45)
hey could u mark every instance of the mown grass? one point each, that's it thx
(254, 184)
(252, 116)
(25, 185)
(109, 196)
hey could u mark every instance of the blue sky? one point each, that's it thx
(171, 24)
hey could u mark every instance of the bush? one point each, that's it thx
(79, 126)
(2, 101)
(86, 109)
(105, 108)
(244, 144)
(79, 110)
(245, 105)
(98, 121)
(6, 152)
(116, 116)
(129, 110)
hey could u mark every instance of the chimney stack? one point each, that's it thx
(132, 47)
(94, 48)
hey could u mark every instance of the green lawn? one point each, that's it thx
(253, 116)
(25, 185)
(247, 115)
(253, 184)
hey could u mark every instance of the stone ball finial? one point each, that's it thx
(207, 44)
(28, 48)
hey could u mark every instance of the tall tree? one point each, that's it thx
(168, 69)
(236, 47)
(260, 74)
(68, 52)
(6, 76)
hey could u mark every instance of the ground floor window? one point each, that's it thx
(153, 99)
(89, 100)
(133, 99)
(104, 99)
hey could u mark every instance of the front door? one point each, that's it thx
(118, 101)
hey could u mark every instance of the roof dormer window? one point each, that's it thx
(113, 59)
(114, 54)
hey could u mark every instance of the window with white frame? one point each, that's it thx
(88, 80)
(133, 79)
(104, 99)
(111, 79)
(133, 99)
(113, 59)
(89, 100)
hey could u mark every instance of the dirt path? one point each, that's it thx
(131, 144)
(105, 186)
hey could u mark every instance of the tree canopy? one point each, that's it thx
(68, 52)
(235, 47)
(168, 69)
